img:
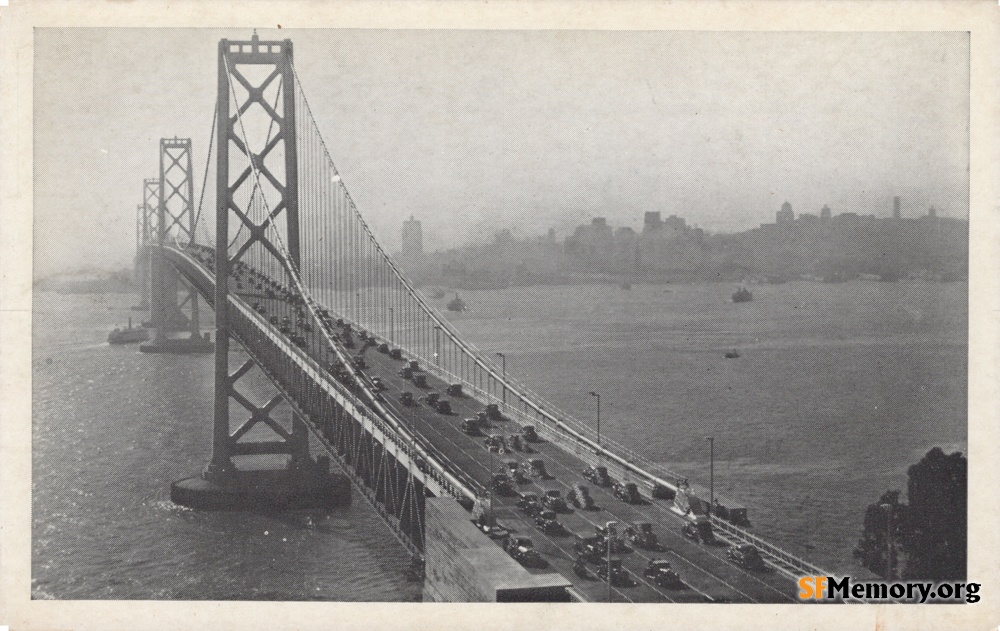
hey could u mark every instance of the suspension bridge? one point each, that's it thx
(463, 463)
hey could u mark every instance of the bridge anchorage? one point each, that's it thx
(325, 345)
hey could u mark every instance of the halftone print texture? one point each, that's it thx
(590, 320)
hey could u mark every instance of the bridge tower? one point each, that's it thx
(146, 235)
(265, 218)
(174, 221)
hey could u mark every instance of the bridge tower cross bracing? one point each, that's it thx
(249, 70)
(147, 234)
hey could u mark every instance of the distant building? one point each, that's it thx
(413, 238)
(824, 212)
(895, 207)
(785, 215)
(651, 222)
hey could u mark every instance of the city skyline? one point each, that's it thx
(543, 129)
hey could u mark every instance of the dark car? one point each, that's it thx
(747, 556)
(700, 532)
(471, 427)
(640, 534)
(619, 577)
(529, 434)
(378, 383)
(406, 398)
(663, 574)
(420, 381)
(396, 353)
(443, 406)
(597, 475)
(628, 492)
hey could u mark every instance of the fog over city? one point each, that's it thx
(477, 131)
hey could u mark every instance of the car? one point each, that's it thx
(747, 557)
(432, 398)
(359, 362)
(546, 522)
(662, 492)
(443, 406)
(396, 353)
(379, 384)
(591, 548)
(496, 443)
(501, 485)
(420, 381)
(383, 348)
(470, 426)
(529, 434)
(455, 390)
(663, 574)
(527, 500)
(641, 535)
(619, 577)
(628, 492)
(493, 412)
(699, 532)
(414, 365)
(553, 501)
(597, 476)
(579, 495)
(406, 398)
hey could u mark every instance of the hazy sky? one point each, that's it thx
(473, 131)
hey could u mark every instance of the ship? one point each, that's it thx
(742, 295)
(733, 354)
(456, 304)
(129, 335)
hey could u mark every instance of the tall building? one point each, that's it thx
(785, 215)
(824, 212)
(413, 238)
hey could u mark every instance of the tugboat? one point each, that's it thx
(129, 335)
(733, 354)
(742, 295)
(456, 304)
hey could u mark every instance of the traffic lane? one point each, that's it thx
(472, 464)
(635, 564)
(710, 559)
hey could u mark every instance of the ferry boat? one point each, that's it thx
(742, 295)
(456, 304)
(129, 335)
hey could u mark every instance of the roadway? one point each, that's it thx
(705, 569)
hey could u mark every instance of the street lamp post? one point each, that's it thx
(504, 358)
(594, 394)
(392, 326)
(711, 474)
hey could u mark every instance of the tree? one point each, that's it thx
(937, 523)
(925, 539)
(879, 546)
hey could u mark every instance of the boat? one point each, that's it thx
(733, 354)
(129, 335)
(742, 295)
(456, 304)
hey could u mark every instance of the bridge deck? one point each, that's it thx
(705, 569)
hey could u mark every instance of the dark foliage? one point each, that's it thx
(925, 539)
